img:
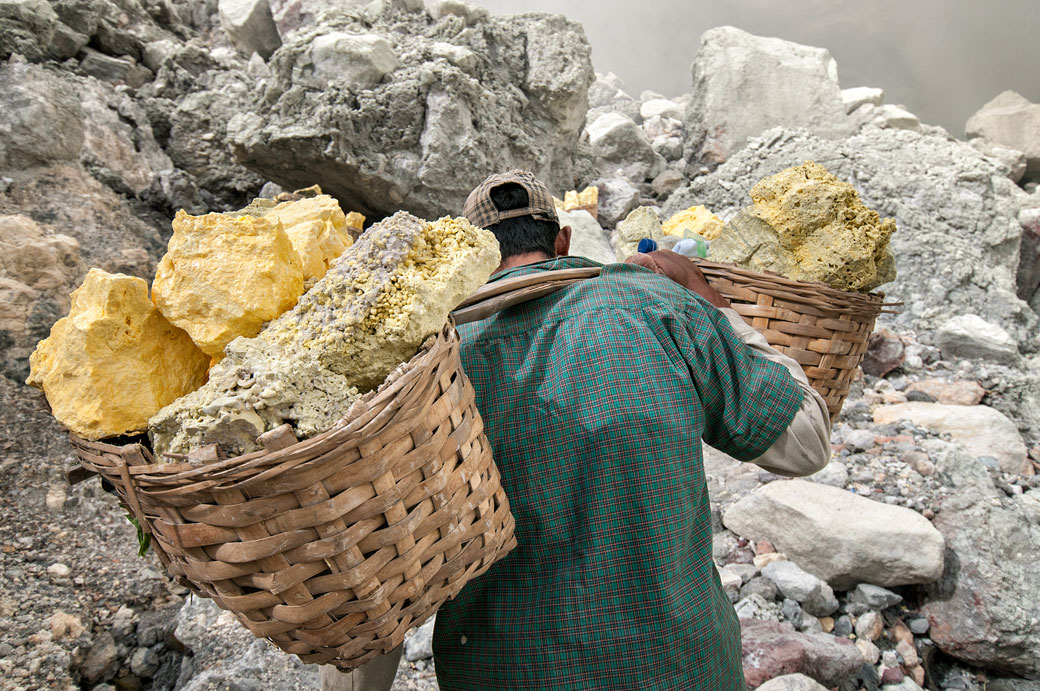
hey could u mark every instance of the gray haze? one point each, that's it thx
(941, 58)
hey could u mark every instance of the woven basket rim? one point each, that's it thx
(351, 427)
(815, 293)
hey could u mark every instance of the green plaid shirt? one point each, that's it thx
(595, 400)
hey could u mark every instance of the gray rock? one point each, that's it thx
(418, 643)
(1028, 277)
(983, 611)
(115, 70)
(357, 61)
(815, 596)
(859, 440)
(918, 626)
(426, 135)
(792, 613)
(971, 336)
(761, 586)
(1013, 121)
(26, 28)
(792, 682)
(30, 95)
(660, 107)
(861, 95)
(250, 26)
(956, 246)
(227, 655)
(617, 198)
(102, 659)
(813, 524)
(875, 597)
(745, 84)
(1013, 162)
(144, 662)
(588, 239)
(982, 430)
(869, 626)
(670, 148)
(834, 474)
(754, 606)
(621, 146)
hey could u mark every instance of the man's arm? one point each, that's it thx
(804, 448)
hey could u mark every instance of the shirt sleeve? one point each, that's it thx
(748, 400)
(804, 447)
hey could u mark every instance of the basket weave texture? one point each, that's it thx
(823, 329)
(333, 547)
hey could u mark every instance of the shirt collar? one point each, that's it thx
(562, 262)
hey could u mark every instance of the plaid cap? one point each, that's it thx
(481, 211)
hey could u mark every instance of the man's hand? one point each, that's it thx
(682, 271)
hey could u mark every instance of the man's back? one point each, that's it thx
(595, 400)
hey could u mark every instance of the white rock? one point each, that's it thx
(745, 84)
(418, 644)
(792, 682)
(359, 60)
(980, 429)
(893, 117)
(834, 474)
(617, 197)
(1010, 120)
(460, 56)
(861, 95)
(588, 239)
(840, 537)
(59, 570)
(815, 596)
(618, 143)
(1013, 161)
(469, 12)
(661, 107)
(55, 500)
(250, 26)
(971, 336)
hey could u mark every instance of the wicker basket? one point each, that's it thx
(822, 329)
(333, 547)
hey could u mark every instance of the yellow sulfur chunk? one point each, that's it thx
(696, 219)
(587, 200)
(356, 222)
(114, 361)
(317, 228)
(224, 276)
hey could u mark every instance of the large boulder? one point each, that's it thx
(26, 28)
(31, 95)
(957, 240)
(621, 146)
(983, 610)
(1013, 121)
(980, 429)
(588, 239)
(250, 26)
(462, 97)
(745, 84)
(971, 336)
(839, 536)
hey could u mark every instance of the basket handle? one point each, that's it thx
(495, 297)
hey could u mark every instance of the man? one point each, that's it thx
(595, 400)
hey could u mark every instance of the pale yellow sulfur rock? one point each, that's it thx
(370, 313)
(355, 222)
(114, 361)
(696, 219)
(810, 226)
(225, 275)
(316, 226)
(587, 200)
(642, 222)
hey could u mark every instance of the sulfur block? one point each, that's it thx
(821, 231)
(696, 219)
(373, 309)
(114, 361)
(355, 222)
(642, 222)
(587, 199)
(317, 229)
(225, 275)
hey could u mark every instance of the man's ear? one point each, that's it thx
(563, 242)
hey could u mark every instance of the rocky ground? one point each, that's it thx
(115, 113)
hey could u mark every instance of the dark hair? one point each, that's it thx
(522, 234)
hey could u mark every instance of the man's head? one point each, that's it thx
(519, 210)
